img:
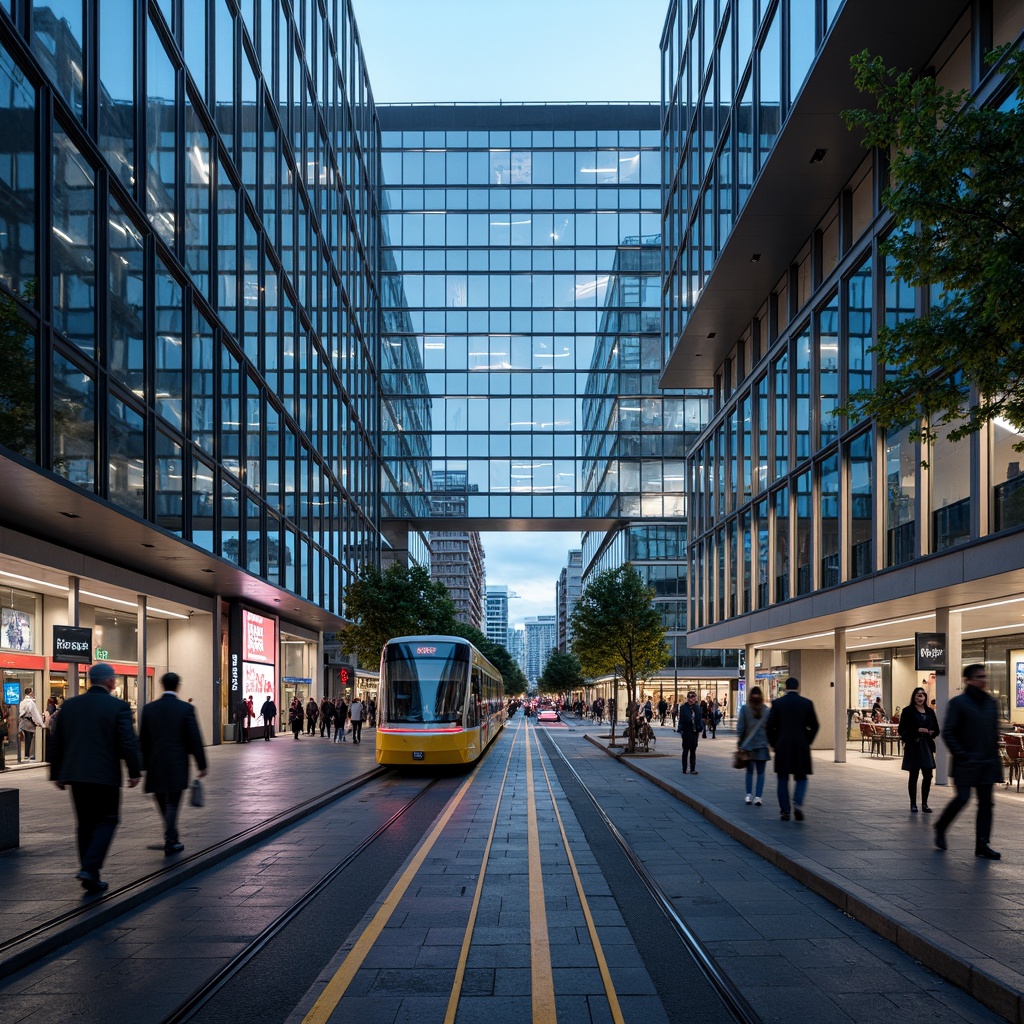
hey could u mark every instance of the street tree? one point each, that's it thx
(617, 629)
(397, 601)
(956, 193)
(561, 675)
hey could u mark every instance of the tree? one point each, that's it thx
(562, 674)
(956, 193)
(497, 654)
(396, 601)
(617, 629)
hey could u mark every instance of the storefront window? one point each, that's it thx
(115, 635)
(19, 621)
(901, 496)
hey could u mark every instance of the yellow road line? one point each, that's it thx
(602, 963)
(460, 970)
(328, 1000)
(542, 981)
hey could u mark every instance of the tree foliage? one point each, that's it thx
(497, 654)
(956, 192)
(617, 629)
(562, 674)
(397, 601)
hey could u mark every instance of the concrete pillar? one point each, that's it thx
(74, 584)
(750, 672)
(815, 669)
(947, 684)
(141, 646)
(839, 695)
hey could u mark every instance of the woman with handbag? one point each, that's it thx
(752, 742)
(918, 729)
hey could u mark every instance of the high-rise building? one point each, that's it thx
(820, 541)
(541, 640)
(457, 561)
(496, 614)
(515, 644)
(567, 593)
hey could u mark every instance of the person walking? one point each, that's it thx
(675, 714)
(241, 721)
(168, 735)
(295, 717)
(690, 726)
(326, 716)
(971, 731)
(918, 728)
(93, 735)
(662, 710)
(312, 714)
(752, 738)
(29, 720)
(792, 726)
(356, 715)
(340, 716)
(268, 712)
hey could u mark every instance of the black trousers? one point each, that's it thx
(983, 824)
(357, 730)
(169, 804)
(689, 750)
(97, 808)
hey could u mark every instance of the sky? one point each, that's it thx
(529, 51)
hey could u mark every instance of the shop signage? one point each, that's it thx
(102, 654)
(12, 693)
(930, 652)
(252, 658)
(72, 644)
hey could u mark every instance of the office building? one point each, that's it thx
(496, 614)
(541, 640)
(567, 592)
(819, 541)
(457, 561)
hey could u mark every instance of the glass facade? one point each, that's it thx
(189, 273)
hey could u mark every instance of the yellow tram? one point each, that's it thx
(440, 701)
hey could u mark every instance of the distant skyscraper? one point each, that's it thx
(541, 639)
(567, 593)
(457, 561)
(497, 614)
(516, 646)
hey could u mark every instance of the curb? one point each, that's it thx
(1004, 996)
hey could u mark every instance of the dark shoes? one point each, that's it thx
(926, 809)
(986, 851)
(684, 771)
(91, 882)
(784, 815)
(913, 808)
(940, 839)
(170, 848)
(693, 771)
(798, 814)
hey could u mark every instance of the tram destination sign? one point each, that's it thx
(930, 652)
(72, 644)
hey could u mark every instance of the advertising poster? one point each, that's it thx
(258, 682)
(16, 630)
(869, 686)
(1018, 677)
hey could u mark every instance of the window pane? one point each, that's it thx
(168, 347)
(160, 138)
(126, 464)
(117, 89)
(57, 45)
(126, 281)
(74, 424)
(169, 484)
(18, 202)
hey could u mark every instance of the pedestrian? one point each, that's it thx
(241, 721)
(662, 710)
(326, 716)
(792, 726)
(704, 718)
(675, 713)
(714, 717)
(93, 736)
(168, 735)
(312, 713)
(648, 710)
(752, 738)
(268, 712)
(356, 715)
(29, 720)
(295, 717)
(340, 715)
(918, 729)
(50, 714)
(971, 731)
(372, 717)
(690, 725)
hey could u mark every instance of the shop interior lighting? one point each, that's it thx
(991, 604)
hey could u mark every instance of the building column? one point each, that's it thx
(142, 646)
(947, 683)
(839, 695)
(74, 583)
(749, 671)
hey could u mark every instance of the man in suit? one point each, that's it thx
(791, 728)
(92, 735)
(168, 734)
(690, 725)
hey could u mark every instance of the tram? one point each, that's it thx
(440, 701)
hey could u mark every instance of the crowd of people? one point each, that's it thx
(333, 716)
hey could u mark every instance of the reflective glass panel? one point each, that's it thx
(74, 424)
(126, 464)
(18, 201)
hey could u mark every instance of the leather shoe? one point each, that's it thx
(986, 851)
(91, 882)
(170, 848)
(926, 809)
(798, 814)
(784, 815)
(913, 808)
(695, 772)
(940, 839)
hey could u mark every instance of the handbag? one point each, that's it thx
(196, 796)
(740, 757)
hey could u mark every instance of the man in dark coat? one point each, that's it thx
(971, 732)
(92, 735)
(168, 734)
(690, 725)
(791, 728)
(268, 713)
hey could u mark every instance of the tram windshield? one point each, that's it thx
(425, 682)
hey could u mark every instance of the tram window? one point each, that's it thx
(425, 688)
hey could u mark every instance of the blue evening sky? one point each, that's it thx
(526, 51)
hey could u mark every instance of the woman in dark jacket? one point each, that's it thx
(918, 728)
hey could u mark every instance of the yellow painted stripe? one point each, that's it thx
(542, 981)
(460, 970)
(330, 997)
(602, 963)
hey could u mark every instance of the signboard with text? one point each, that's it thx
(930, 652)
(252, 660)
(72, 644)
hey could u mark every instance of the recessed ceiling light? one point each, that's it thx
(207, 570)
(145, 545)
(71, 515)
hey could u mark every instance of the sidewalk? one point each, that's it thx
(247, 784)
(863, 850)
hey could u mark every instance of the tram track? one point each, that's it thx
(31, 945)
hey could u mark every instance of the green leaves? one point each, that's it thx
(956, 184)
(561, 674)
